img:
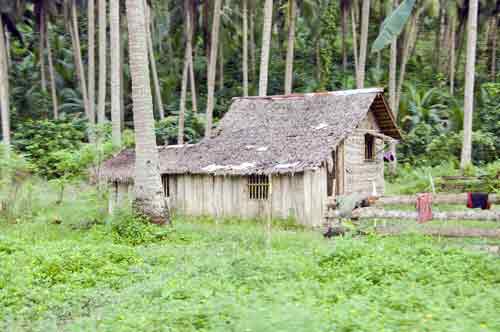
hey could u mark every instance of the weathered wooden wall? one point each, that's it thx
(300, 196)
(360, 173)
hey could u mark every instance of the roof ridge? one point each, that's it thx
(313, 94)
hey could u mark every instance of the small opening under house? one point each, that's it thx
(258, 187)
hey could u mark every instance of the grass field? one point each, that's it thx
(202, 277)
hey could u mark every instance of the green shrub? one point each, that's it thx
(39, 140)
(85, 267)
(129, 228)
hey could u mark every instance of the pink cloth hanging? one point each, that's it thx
(424, 207)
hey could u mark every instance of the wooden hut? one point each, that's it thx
(283, 155)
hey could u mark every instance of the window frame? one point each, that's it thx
(370, 154)
(258, 186)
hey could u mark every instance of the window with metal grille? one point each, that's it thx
(165, 179)
(369, 147)
(258, 187)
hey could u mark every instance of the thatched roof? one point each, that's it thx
(275, 134)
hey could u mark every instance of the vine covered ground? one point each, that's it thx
(202, 276)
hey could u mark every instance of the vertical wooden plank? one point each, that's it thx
(298, 192)
(173, 192)
(226, 196)
(237, 196)
(318, 193)
(284, 191)
(340, 169)
(276, 196)
(307, 197)
(315, 197)
(185, 196)
(199, 196)
(207, 189)
(181, 194)
(246, 198)
(217, 196)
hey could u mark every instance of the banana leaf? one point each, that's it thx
(393, 25)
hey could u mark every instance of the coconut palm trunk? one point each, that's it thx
(4, 88)
(363, 44)
(114, 22)
(77, 51)
(7, 45)
(149, 197)
(354, 41)
(453, 38)
(101, 103)
(409, 45)
(52, 76)
(466, 157)
(152, 60)
(345, 15)
(253, 61)
(182, 106)
(91, 59)
(290, 46)
(494, 40)
(212, 66)
(392, 92)
(194, 99)
(42, 40)
(245, 47)
(221, 65)
(266, 47)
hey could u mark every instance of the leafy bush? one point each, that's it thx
(167, 129)
(84, 267)
(128, 228)
(448, 147)
(38, 140)
(411, 180)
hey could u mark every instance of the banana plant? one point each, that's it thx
(393, 25)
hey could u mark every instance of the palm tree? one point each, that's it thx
(212, 66)
(290, 46)
(466, 155)
(194, 101)
(114, 22)
(149, 198)
(452, 54)
(101, 103)
(245, 47)
(52, 76)
(152, 60)
(363, 47)
(182, 107)
(4, 88)
(266, 45)
(344, 8)
(494, 39)
(91, 59)
(77, 53)
(392, 91)
(41, 17)
(253, 62)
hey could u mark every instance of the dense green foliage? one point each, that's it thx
(227, 278)
(430, 116)
(39, 141)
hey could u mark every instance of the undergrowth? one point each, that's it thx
(203, 277)
(411, 180)
(65, 265)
